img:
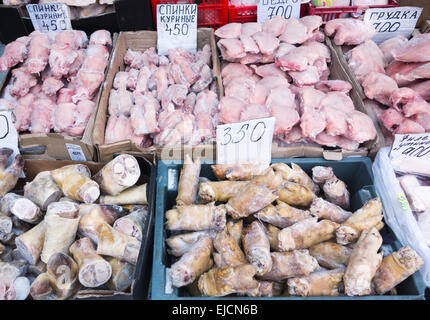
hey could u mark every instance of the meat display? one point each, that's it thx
(289, 81)
(163, 100)
(65, 246)
(56, 78)
(309, 248)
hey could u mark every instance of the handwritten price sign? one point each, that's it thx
(411, 145)
(267, 9)
(50, 16)
(8, 134)
(249, 141)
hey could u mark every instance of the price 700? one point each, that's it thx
(177, 29)
(257, 133)
(53, 25)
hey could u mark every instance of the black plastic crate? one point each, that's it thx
(356, 172)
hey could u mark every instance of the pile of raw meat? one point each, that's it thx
(396, 74)
(56, 242)
(312, 108)
(265, 231)
(56, 80)
(163, 100)
(78, 8)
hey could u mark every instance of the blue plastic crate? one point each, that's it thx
(356, 172)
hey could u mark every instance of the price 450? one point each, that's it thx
(177, 29)
(235, 135)
(54, 25)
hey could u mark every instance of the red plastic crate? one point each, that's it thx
(210, 13)
(249, 14)
(330, 13)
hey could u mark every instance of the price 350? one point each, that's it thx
(254, 133)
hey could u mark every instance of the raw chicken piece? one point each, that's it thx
(253, 111)
(205, 54)
(187, 69)
(408, 126)
(160, 78)
(294, 60)
(101, 37)
(295, 32)
(249, 28)
(118, 129)
(313, 122)
(404, 73)
(360, 127)
(305, 78)
(206, 77)
(317, 36)
(205, 129)
(309, 98)
(76, 65)
(409, 102)
(275, 26)
(417, 195)
(263, 87)
(120, 80)
(173, 97)
(423, 119)
(120, 102)
(336, 121)
(295, 135)
(22, 112)
(134, 59)
(312, 24)
(51, 86)
(349, 31)
(41, 116)
(63, 117)
(38, 52)
(338, 100)
(61, 59)
(251, 58)
(415, 50)
(180, 134)
(231, 49)
(65, 95)
(282, 106)
(234, 70)
(333, 85)
(144, 114)
(269, 70)
(230, 109)
(379, 87)
(317, 48)
(325, 139)
(177, 75)
(365, 58)
(229, 31)
(347, 144)
(249, 44)
(422, 88)
(74, 39)
(391, 44)
(283, 49)
(179, 53)
(84, 110)
(14, 53)
(142, 80)
(206, 102)
(190, 102)
(241, 88)
(266, 42)
(132, 79)
(391, 118)
(21, 81)
(150, 58)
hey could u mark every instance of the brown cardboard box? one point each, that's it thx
(425, 27)
(53, 145)
(142, 40)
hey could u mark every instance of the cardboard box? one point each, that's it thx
(140, 286)
(54, 146)
(425, 15)
(142, 40)
(425, 27)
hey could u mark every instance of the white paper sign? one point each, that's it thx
(391, 22)
(267, 9)
(75, 152)
(8, 134)
(411, 145)
(176, 27)
(249, 141)
(50, 16)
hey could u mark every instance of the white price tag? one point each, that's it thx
(75, 152)
(267, 9)
(176, 27)
(411, 145)
(249, 141)
(391, 22)
(8, 134)
(50, 16)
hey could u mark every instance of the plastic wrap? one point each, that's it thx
(397, 212)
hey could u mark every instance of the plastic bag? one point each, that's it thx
(397, 212)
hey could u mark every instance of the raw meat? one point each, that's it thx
(266, 42)
(422, 88)
(230, 109)
(38, 52)
(295, 32)
(275, 26)
(379, 87)
(14, 53)
(281, 103)
(365, 58)
(229, 31)
(333, 85)
(118, 129)
(41, 116)
(249, 28)
(405, 73)
(349, 31)
(415, 50)
(360, 127)
(409, 102)
(391, 44)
